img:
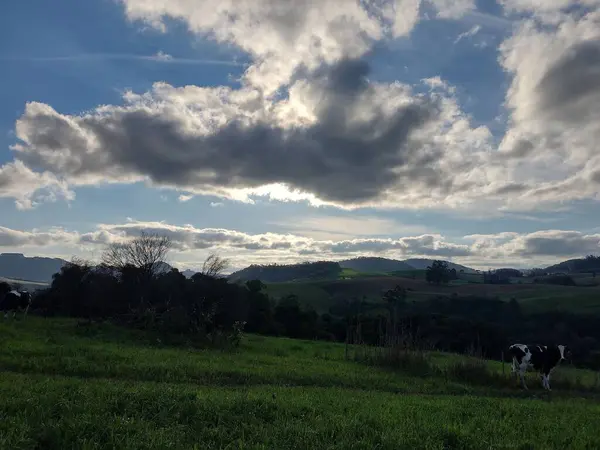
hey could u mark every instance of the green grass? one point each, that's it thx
(67, 387)
(309, 294)
(351, 273)
(321, 295)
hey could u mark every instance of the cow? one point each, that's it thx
(542, 358)
(15, 301)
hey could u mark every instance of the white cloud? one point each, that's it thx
(193, 244)
(317, 145)
(332, 227)
(282, 35)
(467, 34)
(184, 198)
(554, 102)
(162, 56)
(30, 188)
(453, 9)
(331, 136)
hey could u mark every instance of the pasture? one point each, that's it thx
(532, 297)
(66, 386)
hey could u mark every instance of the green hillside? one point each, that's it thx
(330, 270)
(373, 264)
(533, 297)
(67, 387)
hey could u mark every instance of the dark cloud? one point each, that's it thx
(511, 188)
(357, 148)
(570, 88)
(560, 243)
(426, 245)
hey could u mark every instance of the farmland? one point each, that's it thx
(533, 297)
(68, 386)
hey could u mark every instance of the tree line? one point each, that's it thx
(132, 287)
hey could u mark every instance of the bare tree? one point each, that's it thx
(214, 265)
(147, 252)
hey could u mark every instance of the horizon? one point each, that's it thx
(232, 269)
(285, 131)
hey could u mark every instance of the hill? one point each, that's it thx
(422, 263)
(189, 273)
(374, 264)
(587, 264)
(16, 266)
(289, 272)
(329, 270)
(102, 387)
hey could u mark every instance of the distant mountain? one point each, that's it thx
(374, 264)
(273, 273)
(422, 263)
(163, 267)
(188, 273)
(590, 263)
(16, 266)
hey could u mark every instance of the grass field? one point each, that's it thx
(67, 387)
(532, 297)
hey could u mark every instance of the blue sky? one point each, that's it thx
(227, 129)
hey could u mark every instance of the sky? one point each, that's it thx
(297, 130)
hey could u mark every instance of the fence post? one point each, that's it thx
(503, 370)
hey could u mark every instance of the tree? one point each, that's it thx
(146, 252)
(214, 265)
(395, 299)
(438, 272)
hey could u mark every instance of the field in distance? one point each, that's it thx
(65, 386)
(321, 295)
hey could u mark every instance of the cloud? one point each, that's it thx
(184, 198)
(281, 36)
(467, 34)
(553, 100)
(310, 123)
(332, 227)
(159, 57)
(30, 188)
(337, 139)
(34, 238)
(558, 243)
(193, 244)
(162, 56)
(453, 9)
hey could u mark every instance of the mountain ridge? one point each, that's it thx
(17, 266)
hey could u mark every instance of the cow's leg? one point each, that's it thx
(543, 377)
(548, 381)
(516, 370)
(522, 375)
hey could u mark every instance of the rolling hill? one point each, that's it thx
(17, 266)
(374, 264)
(422, 263)
(275, 273)
(330, 270)
(590, 263)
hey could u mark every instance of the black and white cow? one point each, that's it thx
(15, 301)
(542, 358)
